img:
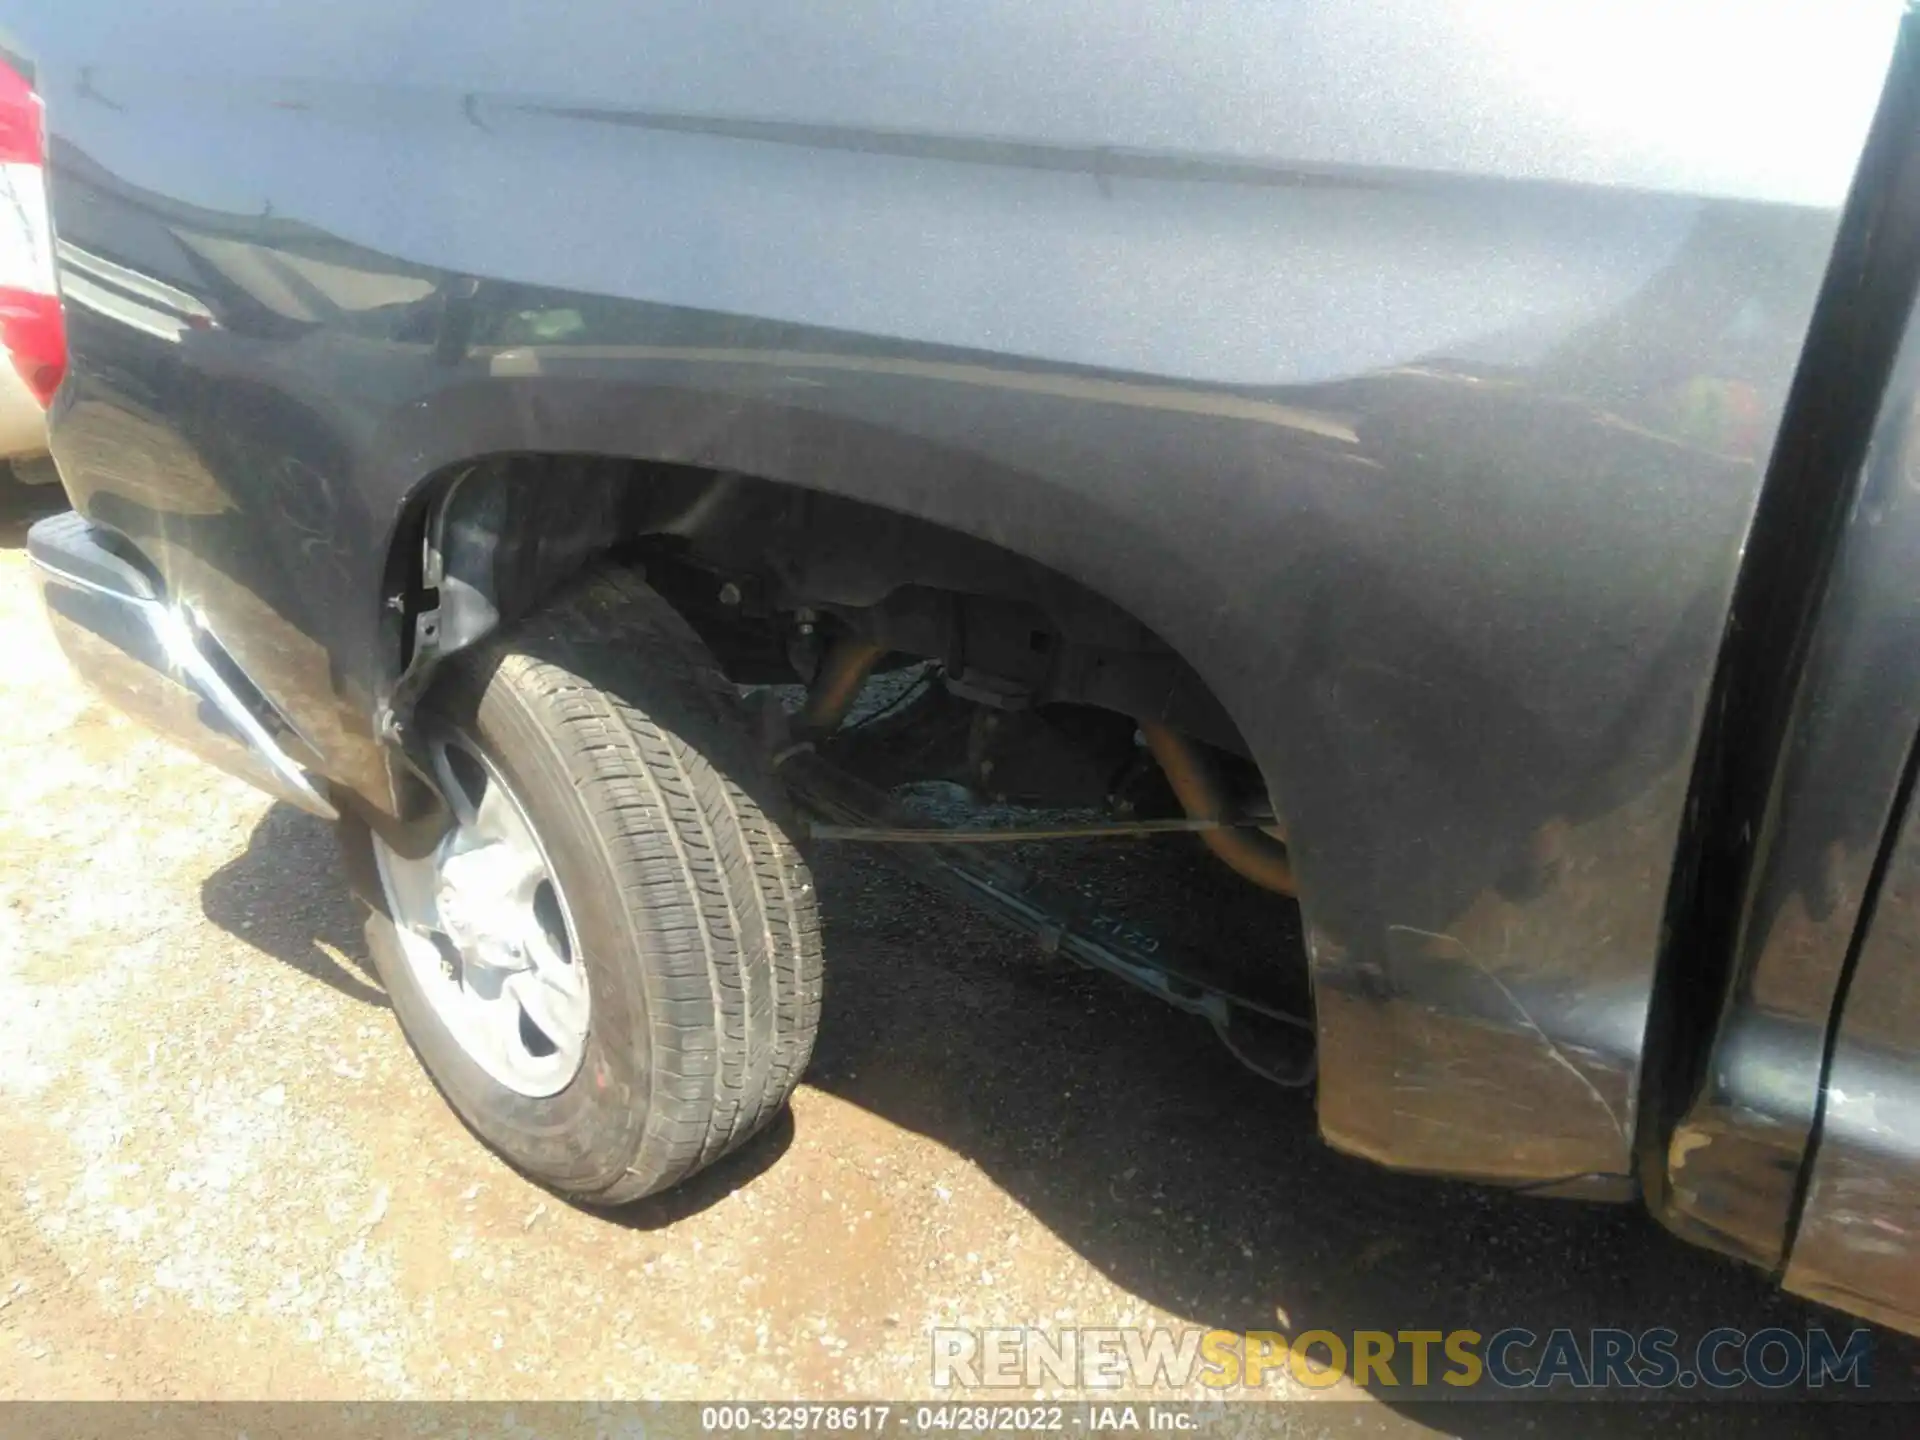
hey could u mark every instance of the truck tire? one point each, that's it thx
(662, 922)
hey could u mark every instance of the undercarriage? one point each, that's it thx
(989, 866)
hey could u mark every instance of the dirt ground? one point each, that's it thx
(222, 1173)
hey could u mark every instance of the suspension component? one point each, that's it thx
(837, 686)
(1259, 857)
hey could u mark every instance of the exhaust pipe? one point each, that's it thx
(1254, 855)
(838, 685)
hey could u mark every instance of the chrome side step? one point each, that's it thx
(148, 659)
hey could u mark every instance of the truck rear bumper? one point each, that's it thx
(151, 660)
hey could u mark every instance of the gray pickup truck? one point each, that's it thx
(1454, 461)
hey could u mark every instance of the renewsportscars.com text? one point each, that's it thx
(1513, 1359)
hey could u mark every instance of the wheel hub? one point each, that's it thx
(487, 933)
(477, 904)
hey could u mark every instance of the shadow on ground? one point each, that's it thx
(287, 895)
(1125, 1129)
(21, 505)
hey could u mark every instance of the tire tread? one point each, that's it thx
(653, 736)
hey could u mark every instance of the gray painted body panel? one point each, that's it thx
(1858, 1242)
(1736, 1157)
(1411, 369)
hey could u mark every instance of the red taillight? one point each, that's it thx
(31, 326)
(20, 135)
(35, 335)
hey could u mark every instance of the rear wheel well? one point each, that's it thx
(770, 574)
(1033, 694)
